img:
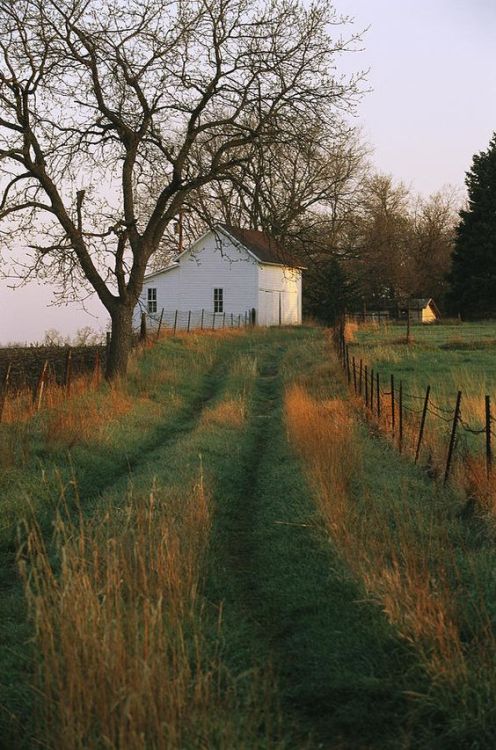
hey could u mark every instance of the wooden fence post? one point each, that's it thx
(354, 376)
(392, 405)
(451, 447)
(232, 320)
(223, 320)
(378, 395)
(366, 376)
(40, 386)
(348, 369)
(189, 320)
(160, 323)
(422, 423)
(372, 390)
(203, 313)
(175, 323)
(68, 371)
(489, 455)
(5, 385)
(360, 378)
(400, 418)
(239, 320)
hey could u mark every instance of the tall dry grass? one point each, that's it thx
(403, 556)
(127, 651)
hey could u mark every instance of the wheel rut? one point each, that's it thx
(338, 667)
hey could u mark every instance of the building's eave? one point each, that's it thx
(161, 270)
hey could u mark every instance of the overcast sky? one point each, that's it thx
(432, 105)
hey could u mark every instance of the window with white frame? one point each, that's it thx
(218, 300)
(152, 300)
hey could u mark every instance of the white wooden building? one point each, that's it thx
(239, 273)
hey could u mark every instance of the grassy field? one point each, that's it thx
(217, 553)
(446, 357)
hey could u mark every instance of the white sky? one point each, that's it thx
(432, 106)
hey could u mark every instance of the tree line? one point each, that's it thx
(119, 119)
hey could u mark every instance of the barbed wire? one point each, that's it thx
(468, 428)
(448, 420)
(414, 396)
(445, 414)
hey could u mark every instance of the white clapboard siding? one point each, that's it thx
(216, 261)
(279, 297)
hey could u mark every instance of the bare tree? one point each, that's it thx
(434, 223)
(379, 240)
(297, 191)
(112, 113)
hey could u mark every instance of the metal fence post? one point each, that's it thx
(366, 377)
(189, 320)
(451, 447)
(360, 378)
(422, 423)
(354, 376)
(489, 455)
(372, 390)
(203, 313)
(160, 322)
(378, 395)
(175, 323)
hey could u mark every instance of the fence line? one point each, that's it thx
(174, 320)
(399, 408)
(192, 320)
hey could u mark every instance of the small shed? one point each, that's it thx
(229, 271)
(422, 310)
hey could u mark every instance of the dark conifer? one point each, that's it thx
(473, 272)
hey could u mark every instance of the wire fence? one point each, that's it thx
(37, 371)
(192, 320)
(394, 409)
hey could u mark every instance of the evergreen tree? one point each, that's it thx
(473, 273)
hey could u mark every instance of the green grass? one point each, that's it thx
(312, 655)
(341, 668)
(447, 357)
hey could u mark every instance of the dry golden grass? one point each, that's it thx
(112, 625)
(84, 418)
(413, 582)
(350, 329)
(125, 656)
(231, 412)
(21, 405)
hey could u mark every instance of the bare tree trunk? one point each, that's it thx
(120, 342)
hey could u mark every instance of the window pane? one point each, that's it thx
(218, 300)
(152, 300)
